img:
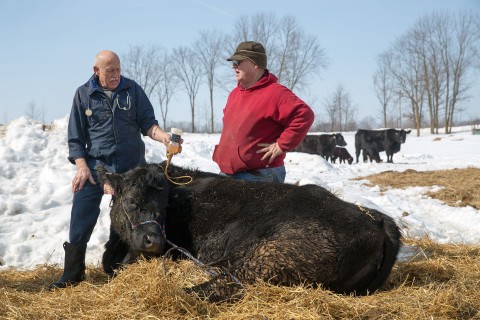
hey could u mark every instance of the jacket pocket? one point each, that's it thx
(100, 113)
(228, 159)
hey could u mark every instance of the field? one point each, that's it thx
(438, 282)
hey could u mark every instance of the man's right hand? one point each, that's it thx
(83, 174)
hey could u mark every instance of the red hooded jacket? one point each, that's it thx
(267, 112)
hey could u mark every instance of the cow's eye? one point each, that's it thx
(131, 206)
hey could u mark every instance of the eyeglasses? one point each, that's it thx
(236, 63)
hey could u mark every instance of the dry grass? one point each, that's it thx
(460, 187)
(441, 282)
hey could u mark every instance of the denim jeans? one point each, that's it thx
(276, 174)
(85, 212)
(86, 207)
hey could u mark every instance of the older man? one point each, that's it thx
(109, 114)
(261, 120)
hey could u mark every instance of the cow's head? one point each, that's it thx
(401, 135)
(339, 140)
(138, 212)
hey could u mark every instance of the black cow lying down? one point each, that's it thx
(281, 233)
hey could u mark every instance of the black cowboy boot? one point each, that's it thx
(74, 269)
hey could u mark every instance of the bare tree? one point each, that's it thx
(367, 122)
(210, 47)
(34, 113)
(31, 111)
(142, 64)
(167, 86)
(462, 57)
(407, 70)
(261, 27)
(431, 64)
(332, 112)
(340, 110)
(299, 55)
(293, 56)
(383, 84)
(189, 73)
(427, 32)
(397, 118)
(347, 110)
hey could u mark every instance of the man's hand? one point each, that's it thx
(162, 136)
(159, 135)
(271, 151)
(83, 174)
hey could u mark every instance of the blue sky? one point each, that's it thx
(48, 46)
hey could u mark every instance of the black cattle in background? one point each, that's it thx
(372, 157)
(322, 144)
(281, 233)
(342, 154)
(372, 142)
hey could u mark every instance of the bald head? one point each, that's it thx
(107, 69)
(105, 56)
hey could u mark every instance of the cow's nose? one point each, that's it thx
(152, 243)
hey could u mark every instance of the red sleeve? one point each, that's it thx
(297, 117)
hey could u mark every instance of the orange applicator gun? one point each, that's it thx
(173, 148)
(174, 145)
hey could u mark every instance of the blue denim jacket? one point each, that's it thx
(112, 132)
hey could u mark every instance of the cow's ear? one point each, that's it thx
(408, 131)
(113, 179)
(155, 178)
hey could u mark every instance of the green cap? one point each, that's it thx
(251, 50)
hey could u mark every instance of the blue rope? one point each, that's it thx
(210, 271)
(175, 247)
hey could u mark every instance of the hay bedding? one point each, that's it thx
(440, 283)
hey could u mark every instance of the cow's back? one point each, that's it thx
(371, 142)
(249, 225)
(310, 144)
(322, 144)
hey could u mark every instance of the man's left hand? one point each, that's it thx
(271, 151)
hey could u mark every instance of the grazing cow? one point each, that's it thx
(322, 145)
(372, 142)
(342, 154)
(281, 233)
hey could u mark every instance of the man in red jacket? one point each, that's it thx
(262, 120)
